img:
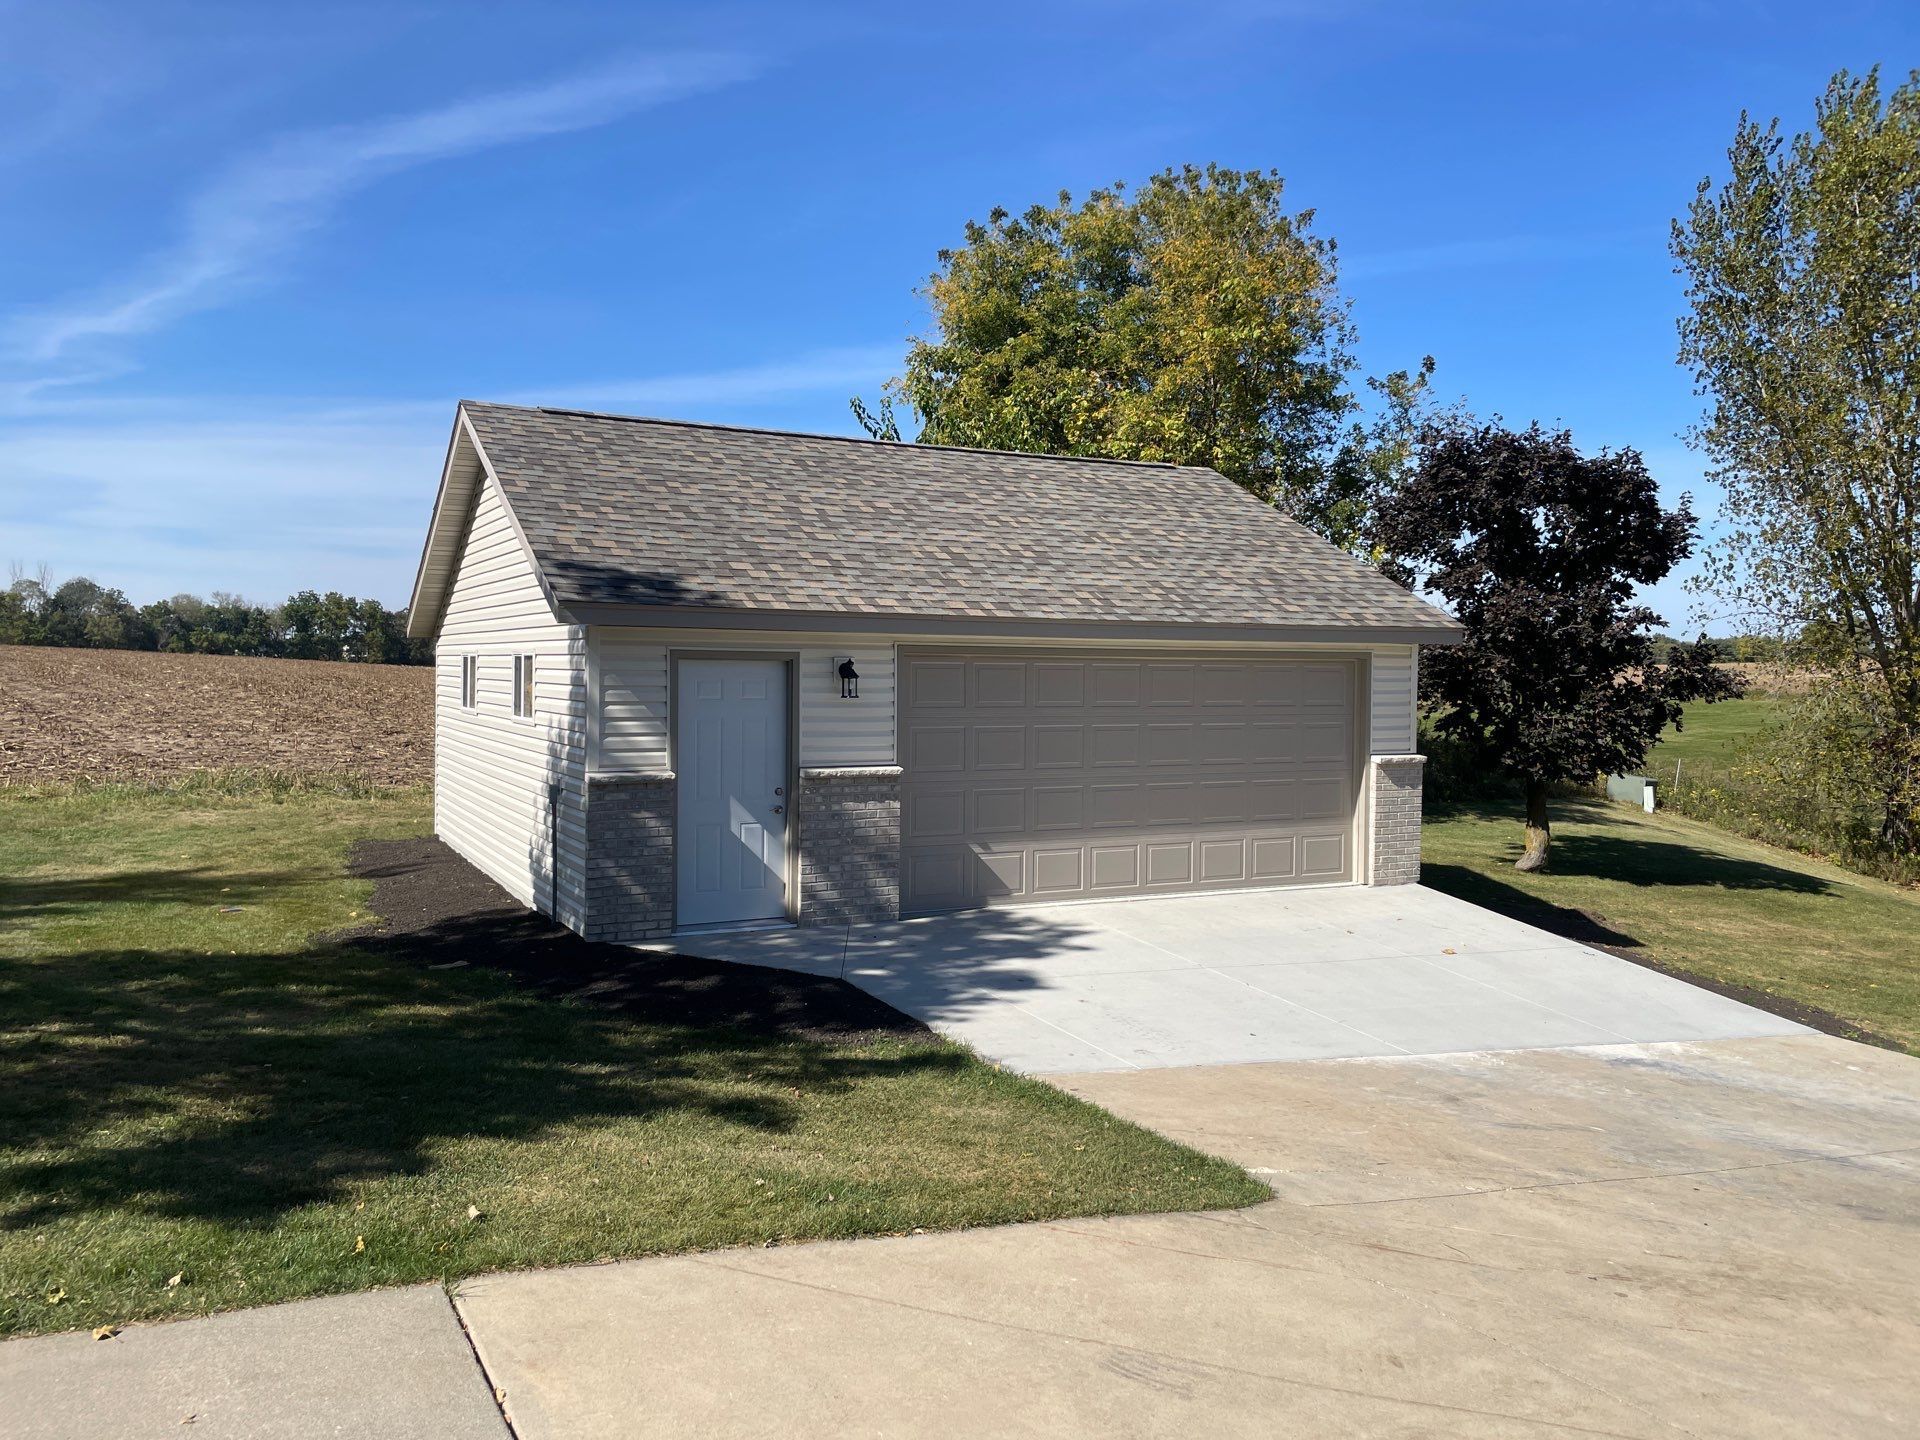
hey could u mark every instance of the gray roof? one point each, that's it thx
(669, 516)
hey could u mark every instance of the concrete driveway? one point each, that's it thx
(1715, 1239)
(1249, 977)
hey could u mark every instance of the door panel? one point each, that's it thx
(732, 752)
(1049, 776)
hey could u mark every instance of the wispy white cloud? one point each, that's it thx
(844, 368)
(157, 494)
(250, 215)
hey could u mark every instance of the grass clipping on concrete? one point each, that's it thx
(201, 1106)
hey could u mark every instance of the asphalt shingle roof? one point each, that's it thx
(634, 512)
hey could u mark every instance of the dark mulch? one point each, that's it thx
(436, 909)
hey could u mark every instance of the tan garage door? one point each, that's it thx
(1036, 776)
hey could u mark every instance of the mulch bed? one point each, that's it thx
(436, 909)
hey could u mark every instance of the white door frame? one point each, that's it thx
(790, 879)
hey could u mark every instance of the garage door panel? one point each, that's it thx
(1060, 685)
(1170, 863)
(1223, 860)
(1223, 685)
(936, 879)
(1171, 802)
(1170, 685)
(1170, 744)
(936, 749)
(1000, 811)
(1323, 857)
(999, 747)
(1109, 805)
(937, 685)
(1221, 802)
(1271, 801)
(1000, 685)
(1325, 684)
(1324, 799)
(1001, 874)
(1059, 807)
(1059, 872)
(1115, 745)
(937, 815)
(1047, 776)
(1114, 867)
(1115, 684)
(1275, 858)
(1059, 747)
(1223, 742)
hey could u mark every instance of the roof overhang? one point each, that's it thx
(466, 470)
(671, 617)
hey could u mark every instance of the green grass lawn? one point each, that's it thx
(204, 1107)
(1711, 733)
(1698, 899)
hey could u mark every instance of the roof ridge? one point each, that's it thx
(843, 439)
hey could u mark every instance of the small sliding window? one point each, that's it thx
(523, 684)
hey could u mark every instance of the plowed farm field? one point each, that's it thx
(131, 715)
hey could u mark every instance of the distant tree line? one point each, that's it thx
(306, 626)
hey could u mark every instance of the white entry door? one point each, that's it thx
(731, 759)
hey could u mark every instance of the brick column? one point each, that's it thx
(1395, 843)
(630, 874)
(849, 837)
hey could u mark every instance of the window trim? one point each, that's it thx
(469, 682)
(523, 693)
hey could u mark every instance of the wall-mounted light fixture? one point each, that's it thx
(849, 677)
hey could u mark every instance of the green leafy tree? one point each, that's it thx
(1195, 320)
(1538, 550)
(1803, 328)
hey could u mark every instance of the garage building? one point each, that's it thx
(697, 677)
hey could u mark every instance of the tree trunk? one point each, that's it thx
(1539, 833)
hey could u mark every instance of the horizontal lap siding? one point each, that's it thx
(1393, 729)
(634, 698)
(633, 705)
(493, 769)
(846, 732)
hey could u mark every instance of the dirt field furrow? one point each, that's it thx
(132, 715)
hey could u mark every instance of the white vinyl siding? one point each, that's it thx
(507, 787)
(634, 685)
(846, 732)
(1393, 727)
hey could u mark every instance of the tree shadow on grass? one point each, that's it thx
(1637, 859)
(233, 1088)
(45, 897)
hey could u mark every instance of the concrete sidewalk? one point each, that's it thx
(1716, 1239)
(391, 1363)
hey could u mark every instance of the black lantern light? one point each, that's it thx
(849, 679)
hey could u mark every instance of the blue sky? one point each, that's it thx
(252, 254)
